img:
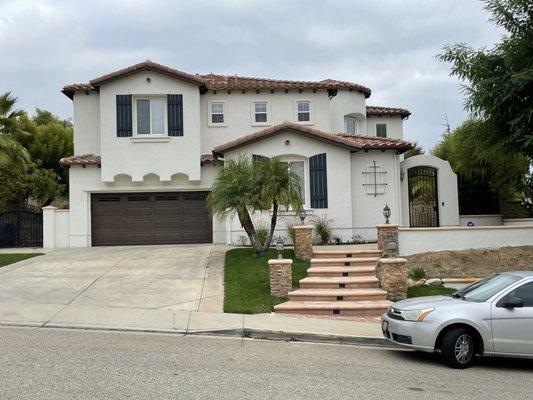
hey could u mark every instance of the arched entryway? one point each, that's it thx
(423, 197)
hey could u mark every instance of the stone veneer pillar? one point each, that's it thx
(303, 242)
(392, 275)
(280, 271)
(385, 231)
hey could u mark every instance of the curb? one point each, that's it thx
(302, 337)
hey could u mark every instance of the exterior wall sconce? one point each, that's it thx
(387, 214)
(402, 174)
(280, 246)
(302, 214)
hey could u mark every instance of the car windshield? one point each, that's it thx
(485, 289)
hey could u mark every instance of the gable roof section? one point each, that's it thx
(387, 111)
(216, 82)
(348, 142)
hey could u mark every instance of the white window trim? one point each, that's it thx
(134, 116)
(346, 119)
(307, 188)
(386, 129)
(310, 122)
(209, 114)
(253, 123)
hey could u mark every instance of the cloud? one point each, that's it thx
(388, 45)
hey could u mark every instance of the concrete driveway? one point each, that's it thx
(175, 277)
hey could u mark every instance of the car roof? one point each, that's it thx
(521, 274)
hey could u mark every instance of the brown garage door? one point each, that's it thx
(150, 218)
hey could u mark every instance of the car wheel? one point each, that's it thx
(458, 348)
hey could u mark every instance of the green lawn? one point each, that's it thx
(428, 290)
(6, 259)
(246, 280)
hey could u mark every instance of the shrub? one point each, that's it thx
(290, 224)
(417, 273)
(323, 227)
(262, 229)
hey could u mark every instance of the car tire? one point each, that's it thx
(458, 348)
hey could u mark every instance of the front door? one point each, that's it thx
(512, 329)
(423, 197)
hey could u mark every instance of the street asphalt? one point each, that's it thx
(75, 364)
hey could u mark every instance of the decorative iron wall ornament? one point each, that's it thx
(375, 179)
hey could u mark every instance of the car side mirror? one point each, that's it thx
(513, 302)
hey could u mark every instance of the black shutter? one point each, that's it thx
(124, 124)
(318, 181)
(175, 114)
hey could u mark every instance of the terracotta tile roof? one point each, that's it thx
(349, 142)
(216, 82)
(85, 159)
(235, 82)
(92, 159)
(375, 110)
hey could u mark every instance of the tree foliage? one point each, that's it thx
(415, 151)
(244, 187)
(483, 178)
(499, 81)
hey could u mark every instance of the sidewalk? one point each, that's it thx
(261, 326)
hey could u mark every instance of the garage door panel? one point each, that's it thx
(150, 218)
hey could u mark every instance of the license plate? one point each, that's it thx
(385, 325)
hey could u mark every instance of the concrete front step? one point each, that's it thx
(342, 271)
(350, 282)
(337, 308)
(346, 262)
(346, 254)
(337, 294)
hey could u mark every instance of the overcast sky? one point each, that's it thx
(389, 46)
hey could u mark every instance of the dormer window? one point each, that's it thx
(151, 116)
(217, 113)
(351, 125)
(304, 111)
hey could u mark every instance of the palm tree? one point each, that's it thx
(236, 190)
(12, 154)
(279, 187)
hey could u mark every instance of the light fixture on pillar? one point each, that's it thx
(386, 214)
(280, 246)
(402, 174)
(302, 214)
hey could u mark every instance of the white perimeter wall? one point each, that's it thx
(482, 220)
(423, 240)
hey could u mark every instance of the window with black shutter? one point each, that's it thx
(318, 181)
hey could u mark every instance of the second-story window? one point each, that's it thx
(304, 111)
(151, 116)
(217, 113)
(381, 130)
(351, 126)
(260, 112)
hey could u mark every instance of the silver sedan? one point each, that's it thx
(491, 317)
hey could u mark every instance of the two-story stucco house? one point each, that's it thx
(146, 137)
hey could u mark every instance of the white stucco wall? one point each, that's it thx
(55, 227)
(138, 157)
(518, 221)
(481, 220)
(348, 103)
(446, 187)
(422, 240)
(86, 123)
(367, 208)
(338, 176)
(394, 126)
(84, 181)
(239, 113)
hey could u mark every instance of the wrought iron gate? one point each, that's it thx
(21, 229)
(423, 197)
